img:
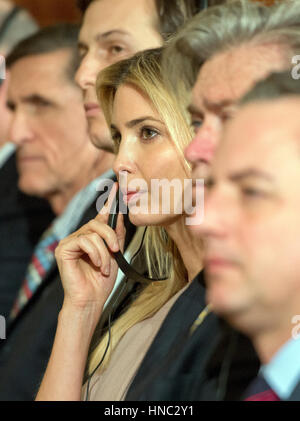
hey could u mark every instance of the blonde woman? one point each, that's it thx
(150, 132)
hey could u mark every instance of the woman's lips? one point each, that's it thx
(132, 196)
(91, 109)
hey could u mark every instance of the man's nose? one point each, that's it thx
(20, 130)
(218, 214)
(202, 146)
(87, 72)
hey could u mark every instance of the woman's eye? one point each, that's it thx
(148, 133)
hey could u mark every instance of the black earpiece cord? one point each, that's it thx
(108, 342)
(109, 323)
(128, 271)
(125, 267)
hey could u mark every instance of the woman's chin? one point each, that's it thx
(141, 219)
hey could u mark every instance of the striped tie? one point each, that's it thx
(259, 390)
(42, 261)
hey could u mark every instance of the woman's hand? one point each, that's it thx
(87, 267)
(88, 272)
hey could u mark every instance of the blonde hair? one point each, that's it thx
(143, 71)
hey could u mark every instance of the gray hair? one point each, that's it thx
(275, 86)
(224, 27)
(48, 40)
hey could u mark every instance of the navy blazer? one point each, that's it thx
(23, 219)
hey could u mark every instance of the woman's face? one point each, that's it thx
(147, 160)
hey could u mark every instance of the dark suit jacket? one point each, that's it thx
(213, 363)
(25, 352)
(22, 221)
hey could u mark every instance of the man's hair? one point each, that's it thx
(171, 13)
(49, 40)
(83, 4)
(275, 86)
(227, 26)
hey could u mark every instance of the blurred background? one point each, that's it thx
(47, 12)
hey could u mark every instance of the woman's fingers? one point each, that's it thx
(120, 231)
(88, 246)
(103, 214)
(90, 240)
(106, 233)
(91, 245)
(96, 239)
(104, 257)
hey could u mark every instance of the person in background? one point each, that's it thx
(113, 30)
(251, 232)
(57, 162)
(270, 34)
(15, 24)
(22, 218)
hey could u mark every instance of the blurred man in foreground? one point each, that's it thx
(251, 232)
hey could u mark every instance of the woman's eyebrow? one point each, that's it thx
(132, 123)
